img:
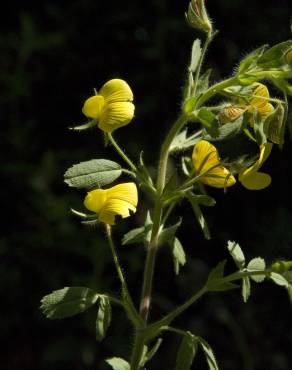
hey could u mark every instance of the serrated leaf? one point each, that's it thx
(118, 363)
(245, 288)
(178, 254)
(279, 279)
(167, 234)
(93, 173)
(186, 352)
(257, 264)
(199, 216)
(181, 142)
(103, 317)
(67, 302)
(236, 253)
(209, 354)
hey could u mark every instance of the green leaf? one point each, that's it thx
(93, 173)
(178, 254)
(118, 363)
(167, 234)
(181, 142)
(209, 121)
(227, 131)
(209, 354)
(274, 125)
(250, 60)
(245, 288)
(273, 57)
(186, 352)
(236, 253)
(196, 55)
(214, 281)
(138, 235)
(204, 200)
(103, 317)
(67, 302)
(203, 82)
(257, 264)
(283, 85)
(279, 279)
(199, 216)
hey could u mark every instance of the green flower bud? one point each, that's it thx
(197, 16)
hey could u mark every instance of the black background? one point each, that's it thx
(52, 54)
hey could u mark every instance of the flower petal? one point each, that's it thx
(95, 200)
(260, 90)
(126, 192)
(115, 115)
(93, 106)
(219, 177)
(116, 90)
(115, 207)
(266, 110)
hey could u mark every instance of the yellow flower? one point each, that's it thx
(260, 100)
(206, 159)
(112, 107)
(251, 178)
(116, 201)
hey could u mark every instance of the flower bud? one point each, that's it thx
(197, 16)
(230, 114)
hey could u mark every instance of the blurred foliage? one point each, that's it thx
(52, 55)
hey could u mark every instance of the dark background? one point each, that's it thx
(52, 55)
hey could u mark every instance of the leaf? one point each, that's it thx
(214, 281)
(167, 234)
(227, 131)
(103, 317)
(203, 83)
(250, 60)
(181, 142)
(204, 200)
(272, 58)
(209, 354)
(199, 216)
(283, 85)
(279, 279)
(257, 264)
(178, 254)
(236, 253)
(67, 302)
(138, 235)
(153, 351)
(118, 363)
(274, 125)
(209, 121)
(245, 288)
(186, 352)
(196, 55)
(93, 173)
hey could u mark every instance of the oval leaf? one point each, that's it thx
(257, 264)
(93, 173)
(103, 317)
(118, 363)
(186, 352)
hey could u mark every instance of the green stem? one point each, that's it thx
(122, 153)
(127, 300)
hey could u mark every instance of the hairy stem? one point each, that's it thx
(122, 153)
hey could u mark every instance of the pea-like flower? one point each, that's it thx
(112, 106)
(251, 178)
(260, 100)
(118, 200)
(206, 162)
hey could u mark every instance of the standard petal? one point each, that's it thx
(126, 192)
(115, 207)
(204, 156)
(257, 101)
(93, 106)
(266, 110)
(95, 200)
(220, 177)
(116, 90)
(116, 115)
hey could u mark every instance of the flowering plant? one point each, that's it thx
(246, 110)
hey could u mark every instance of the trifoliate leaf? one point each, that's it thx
(186, 352)
(209, 354)
(178, 254)
(103, 317)
(279, 279)
(236, 253)
(67, 302)
(118, 363)
(93, 173)
(257, 264)
(245, 288)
